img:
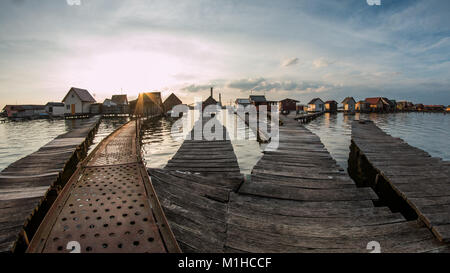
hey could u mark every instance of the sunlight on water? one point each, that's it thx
(157, 143)
(159, 146)
(427, 131)
(21, 138)
(248, 151)
(106, 127)
(18, 139)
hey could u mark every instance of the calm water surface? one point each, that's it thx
(427, 131)
(159, 146)
(21, 138)
(106, 127)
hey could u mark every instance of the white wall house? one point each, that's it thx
(349, 104)
(316, 105)
(78, 101)
(55, 109)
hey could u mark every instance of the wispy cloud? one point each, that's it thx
(290, 46)
(289, 62)
(321, 62)
(262, 84)
(196, 88)
(246, 84)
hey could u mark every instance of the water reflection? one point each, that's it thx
(247, 149)
(106, 127)
(159, 146)
(21, 138)
(427, 131)
(157, 143)
(18, 139)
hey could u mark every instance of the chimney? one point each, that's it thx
(211, 92)
(220, 98)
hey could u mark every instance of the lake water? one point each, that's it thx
(427, 131)
(159, 147)
(106, 127)
(21, 138)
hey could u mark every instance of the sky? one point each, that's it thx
(284, 49)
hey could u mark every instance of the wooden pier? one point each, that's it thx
(194, 190)
(306, 118)
(299, 201)
(262, 136)
(296, 200)
(206, 157)
(407, 178)
(29, 186)
(108, 205)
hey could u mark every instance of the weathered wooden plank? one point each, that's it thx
(296, 200)
(342, 209)
(442, 232)
(281, 209)
(25, 182)
(423, 182)
(255, 241)
(304, 194)
(287, 206)
(214, 192)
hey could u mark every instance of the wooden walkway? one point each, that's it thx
(305, 118)
(29, 186)
(421, 181)
(297, 200)
(206, 157)
(194, 190)
(108, 205)
(261, 135)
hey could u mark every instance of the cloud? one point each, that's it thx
(322, 62)
(196, 88)
(191, 42)
(261, 84)
(385, 74)
(289, 62)
(245, 84)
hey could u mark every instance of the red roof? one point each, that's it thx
(373, 100)
(434, 106)
(287, 99)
